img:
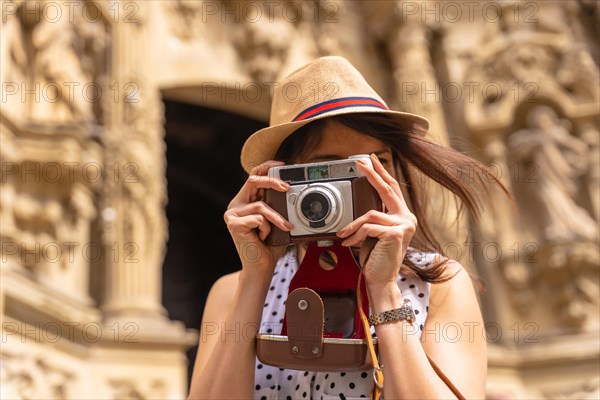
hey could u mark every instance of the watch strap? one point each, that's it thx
(404, 313)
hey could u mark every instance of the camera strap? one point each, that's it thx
(377, 386)
(378, 378)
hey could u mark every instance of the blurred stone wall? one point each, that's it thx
(82, 226)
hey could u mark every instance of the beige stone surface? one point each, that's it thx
(83, 189)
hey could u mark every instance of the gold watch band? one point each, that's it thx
(399, 314)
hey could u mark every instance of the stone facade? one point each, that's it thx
(83, 191)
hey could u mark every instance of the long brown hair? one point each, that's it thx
(412, 154)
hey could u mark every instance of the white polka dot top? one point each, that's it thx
(279, 383)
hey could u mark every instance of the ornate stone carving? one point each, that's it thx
(569, 274)
(414, 75)
(590, 135)
(140, 231)
(185, 18)
(566, 232)
(131, 389)
(519, 63)
(133, 205)
(417, 91)
(46, 206)
(32, 377)
(327, 32)
(519, 66)
(578, 74)
(262, 47)
(590, 390)
(530, 61)
(560, 160)
(66, 92)
(41, 214)
(503, 231)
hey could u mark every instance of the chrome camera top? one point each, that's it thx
(320, 171)
(320, 198)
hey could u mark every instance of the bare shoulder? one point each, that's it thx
(223, 290)
(220, 298)
(457, 289)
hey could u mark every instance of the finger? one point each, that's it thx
(389, 179)
(366, 230)
(249, 192)
(262, 180)
(263, 168)
(380, 169)
(375, 217)
(260, 207)
(386, 192)
(403, 233)
(264, 231)
(248, 224)
(259, 170)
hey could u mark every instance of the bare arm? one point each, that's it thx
(230, 322)
(407, 372)
(453, 337)
(225, 363)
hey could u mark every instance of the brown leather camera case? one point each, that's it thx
(338, 355)
(306, 341)
(304, 347)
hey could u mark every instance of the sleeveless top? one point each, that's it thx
(287, 384)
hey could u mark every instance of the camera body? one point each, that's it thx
(323, 198)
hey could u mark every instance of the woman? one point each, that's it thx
(353, 119)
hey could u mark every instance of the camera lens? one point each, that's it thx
(318, 208)
(315, 207)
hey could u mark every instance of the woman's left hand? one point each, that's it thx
(394, 229)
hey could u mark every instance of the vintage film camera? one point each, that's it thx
(323, 198)
(322, 328)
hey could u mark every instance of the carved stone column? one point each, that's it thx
(418, 91)
(417, 87)
(132, 207)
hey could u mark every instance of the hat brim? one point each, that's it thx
(262, 145)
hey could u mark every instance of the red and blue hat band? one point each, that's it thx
(336, 104)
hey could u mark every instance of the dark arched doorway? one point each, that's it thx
(203, 174)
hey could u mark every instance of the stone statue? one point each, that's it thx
(558, 160)
(501, 227)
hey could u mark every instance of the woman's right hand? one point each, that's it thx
(248, 219)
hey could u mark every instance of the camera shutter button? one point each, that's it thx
(292, 198)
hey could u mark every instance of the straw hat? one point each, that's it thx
(323, 88)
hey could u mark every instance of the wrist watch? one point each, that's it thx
(399, 314)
